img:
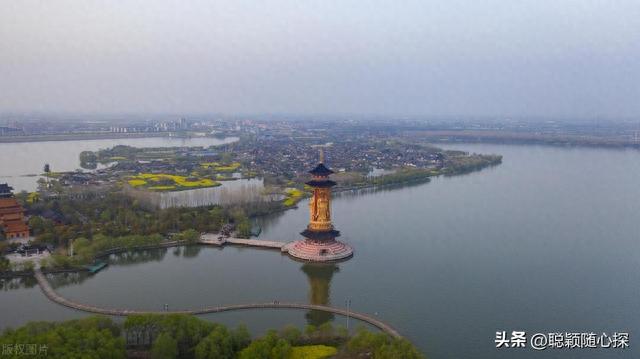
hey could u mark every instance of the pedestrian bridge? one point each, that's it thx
(46, 288)
(217, 240)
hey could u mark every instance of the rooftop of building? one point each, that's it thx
(9, 203)
(321, 183)
(321, 170)
(5, 190)
(320, 235)
(15, 226)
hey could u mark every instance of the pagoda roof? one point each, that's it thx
(12, 210)
(15, 226)
(9, 203)
(5, 190)
(321, 183)
(320, 235)
(321, 170)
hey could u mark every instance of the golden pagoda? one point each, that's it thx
(319, 243)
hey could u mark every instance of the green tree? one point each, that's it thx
(325, 330)
(240, 337)
(381, 346)
(217, 345)
(217, 218)
(36, 223)
(342, 331)
(310, 330)
(88, 160)
(290, 333)
(190, 235)
(164, 347)
(243, 228)
(187, 330)
(92, 337)
(268, 347)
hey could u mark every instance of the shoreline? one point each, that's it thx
(80, 137)
(453, 137)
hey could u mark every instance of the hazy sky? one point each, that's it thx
(560, 58)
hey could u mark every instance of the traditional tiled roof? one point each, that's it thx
(321, 183)
(321, 170)
(9, 203)
(5, 190)
(15, 226)
(320, 235)
(11, 216)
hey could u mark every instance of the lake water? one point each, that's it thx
(548, 241)
(21, 161)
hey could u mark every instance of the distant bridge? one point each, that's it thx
(217, 240)
(55, 297)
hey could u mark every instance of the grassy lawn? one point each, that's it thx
(312, 352)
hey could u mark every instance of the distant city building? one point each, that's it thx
(12, 221)
(11, 131)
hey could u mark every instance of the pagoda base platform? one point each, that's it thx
(318, 251)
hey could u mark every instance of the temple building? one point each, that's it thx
(12, 221)
(319, 243)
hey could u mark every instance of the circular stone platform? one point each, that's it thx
(316, 251)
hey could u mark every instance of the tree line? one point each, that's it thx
(57, 221)
(183, 336)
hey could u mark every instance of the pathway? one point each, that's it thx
(55, 297)
(217, 240)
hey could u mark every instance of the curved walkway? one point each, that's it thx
(55, 297)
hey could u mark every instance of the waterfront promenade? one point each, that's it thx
(217, 240)
(50, 293)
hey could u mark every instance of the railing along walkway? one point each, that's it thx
(55, 297)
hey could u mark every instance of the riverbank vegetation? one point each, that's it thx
(462, 162)
(86, 250)
(293, 196)
(182, 336)
(113, 214)
(110, 220)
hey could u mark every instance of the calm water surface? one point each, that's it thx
(548, 241)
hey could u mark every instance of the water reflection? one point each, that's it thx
(319, 276)
(17, 283)
(191, 251)
(138, 256)
(64, 279)
(129, 258)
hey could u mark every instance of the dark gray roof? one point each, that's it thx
(321, 170)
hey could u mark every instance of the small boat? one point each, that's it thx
(96, 267)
